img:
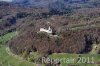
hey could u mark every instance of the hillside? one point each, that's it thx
(28, 22)
(75, 30)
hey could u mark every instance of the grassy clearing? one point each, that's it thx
(5, 38)
(77, 60)
(9, 60)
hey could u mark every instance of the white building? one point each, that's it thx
(49, 30)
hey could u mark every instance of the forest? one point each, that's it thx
(75, 29)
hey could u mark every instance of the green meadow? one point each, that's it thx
(5, 58)
(77, 59)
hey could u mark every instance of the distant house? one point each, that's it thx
(49, 30)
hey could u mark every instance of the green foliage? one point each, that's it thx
(5, 38)
(24, 54)
(34, 57)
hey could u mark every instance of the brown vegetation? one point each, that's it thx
(28, 21)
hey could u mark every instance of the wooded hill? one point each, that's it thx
(76, 30)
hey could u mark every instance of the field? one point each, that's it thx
(77, 59)
(7, 59)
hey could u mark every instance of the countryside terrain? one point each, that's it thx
(75, 32)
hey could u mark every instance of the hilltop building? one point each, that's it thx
(49, 30)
